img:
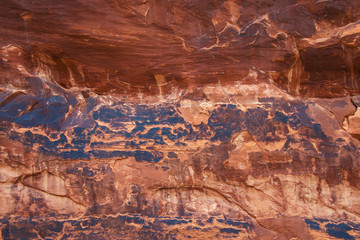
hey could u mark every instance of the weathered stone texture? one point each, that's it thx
(180, 119)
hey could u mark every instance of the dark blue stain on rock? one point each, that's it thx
(237, 223)
(84, 224)
(16, 106)
(48, 112)
(90, 104)
(109, 154)
(81, 138)
(148, 156)
(201, 131)
(139, 227)
(210, 220)
(166, 131)
(31, 138)
(153, 125)
(230, 230)
(172, 155)
(72, 154)
(294, 114)
(145, 116)
(100, 131)
(312, 224)
(339, 230)
(3, 96)
(73, 170)
(193, 228)
(99, 145)
(309, 148)
(45, 143)
(200, 223)
(292, 144)
(340, 140)
(352, 146)
(225, 121)
(5, 231)
(88, 172)
(174, 221)
(49, 230)
(293, 120)
(318, 131)
(154, 134)
(151, 134)
(329, 150)
(258, 124)
(156, 115)
(57, 107)
(131, 144)
(280, 117)
(106, 114)
(23, 229)
(255, 118)
(289, 141)
(267, 100)
(133, 219)
(181, 132)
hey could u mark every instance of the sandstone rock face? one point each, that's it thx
(180, 119)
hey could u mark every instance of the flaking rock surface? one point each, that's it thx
(180, 119)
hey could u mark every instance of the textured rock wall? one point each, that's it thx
(180, 119)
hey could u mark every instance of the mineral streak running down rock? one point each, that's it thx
(169, 119)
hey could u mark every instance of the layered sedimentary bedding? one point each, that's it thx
(180, 119)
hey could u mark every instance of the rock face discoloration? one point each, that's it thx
(179, 119)
(252, 158)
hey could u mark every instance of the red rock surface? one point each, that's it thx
(179, 119)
